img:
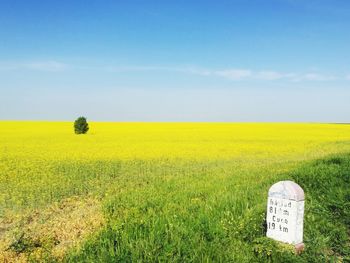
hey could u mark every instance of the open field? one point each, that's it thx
(166, 191)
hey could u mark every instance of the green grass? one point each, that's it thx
(218, 219)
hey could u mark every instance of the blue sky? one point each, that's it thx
(252, 60)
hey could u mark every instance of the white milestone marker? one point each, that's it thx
(285, 213)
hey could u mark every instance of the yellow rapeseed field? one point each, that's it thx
(127, 141)
(52, 179)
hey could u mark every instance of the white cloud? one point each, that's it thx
(234, 74)
(271, 75)
(189, 70)
(134, 68)
(347, 76)
(247, 74)
(202, 72)
(46, 66)
(52, 66)
(314, 77)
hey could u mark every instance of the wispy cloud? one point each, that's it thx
(273, 75)
(234, 74)
(189, 70)
(51, 66)
(270, 75)
(315, 77)
(46, 66)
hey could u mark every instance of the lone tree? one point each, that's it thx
(81, 126)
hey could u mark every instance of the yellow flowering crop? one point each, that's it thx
(46, 169)
(128, 141)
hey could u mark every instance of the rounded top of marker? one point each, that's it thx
(287, 190)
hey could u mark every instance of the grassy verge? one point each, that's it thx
(205, 218)
(327, 221)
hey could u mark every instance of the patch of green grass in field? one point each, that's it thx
(326, 183)
(216, 221)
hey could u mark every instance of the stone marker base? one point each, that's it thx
(299, 248)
